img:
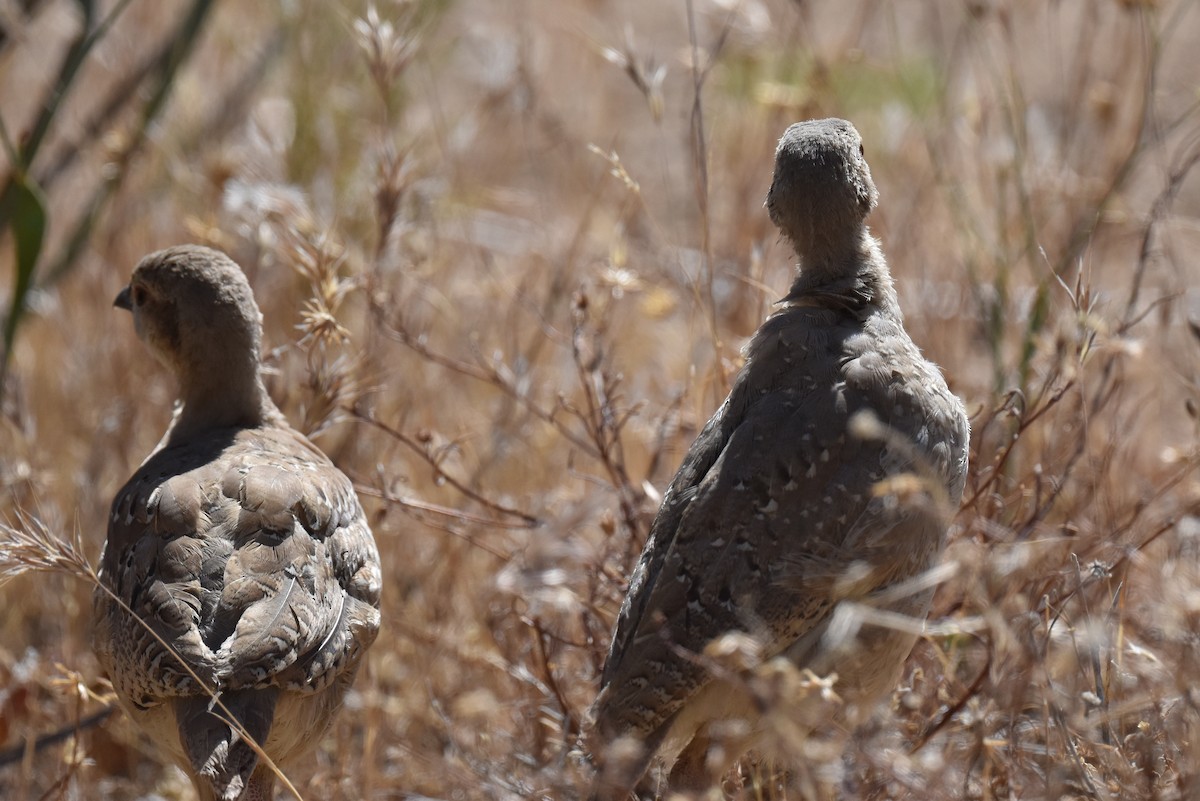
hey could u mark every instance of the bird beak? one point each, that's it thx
(123, 300)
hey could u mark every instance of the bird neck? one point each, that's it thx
(851, 265)
(232, 396)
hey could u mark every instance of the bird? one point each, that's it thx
(826, 478)
(239, 579)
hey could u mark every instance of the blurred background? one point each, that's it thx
(508, 253)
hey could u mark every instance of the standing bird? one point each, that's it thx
(239, 576)
(824, 478)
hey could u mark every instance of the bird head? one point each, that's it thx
(194, 309)
(822, 188)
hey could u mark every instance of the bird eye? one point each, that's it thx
(139, 296)
(862, 151)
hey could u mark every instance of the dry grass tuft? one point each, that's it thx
(30, 546)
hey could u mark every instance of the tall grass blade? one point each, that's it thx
(24, 209)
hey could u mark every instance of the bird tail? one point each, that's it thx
(221, 758)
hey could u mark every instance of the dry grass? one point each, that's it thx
(507, 254)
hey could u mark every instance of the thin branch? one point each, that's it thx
(527, 519)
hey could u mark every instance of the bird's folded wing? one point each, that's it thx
(257, 567)
(785, 486)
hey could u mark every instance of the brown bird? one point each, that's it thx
(824, 478)
(238, 558)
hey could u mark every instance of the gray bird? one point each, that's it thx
(239, 545)
(825, 477)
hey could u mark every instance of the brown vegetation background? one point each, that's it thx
(508, 252)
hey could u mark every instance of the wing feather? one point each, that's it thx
(243, 554)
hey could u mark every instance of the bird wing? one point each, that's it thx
(677, 499)
(248, 554)
(302, 587)
(719, 566)
(776, 504)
